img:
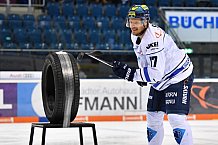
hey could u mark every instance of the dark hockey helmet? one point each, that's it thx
(138, 11)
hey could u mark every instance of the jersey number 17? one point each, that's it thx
(153, 60)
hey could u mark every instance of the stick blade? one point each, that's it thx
(80, 56)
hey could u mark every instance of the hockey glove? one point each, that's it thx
(123, 71)
(142, 84)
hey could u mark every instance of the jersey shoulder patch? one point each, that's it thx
(157, 31)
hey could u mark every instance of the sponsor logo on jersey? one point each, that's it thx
(154, 44)
(186, 63)
(171, 101)
(158, 34)
(185, 94)
(171, 94)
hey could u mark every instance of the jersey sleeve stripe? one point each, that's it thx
(146, 74)
(156, 84)
(175, 67)
(141, 75)
(166, 81)
(184, 66)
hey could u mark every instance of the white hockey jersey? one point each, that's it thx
(160, 61)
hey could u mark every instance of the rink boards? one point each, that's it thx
(101, 99)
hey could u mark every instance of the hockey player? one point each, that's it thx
(169, 71)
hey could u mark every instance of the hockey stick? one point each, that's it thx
(93, 55)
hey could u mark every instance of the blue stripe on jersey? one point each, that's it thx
(156, 84)
(176, 71)
(146, 74)
(175, 67)
(187, 62)
(141, 75)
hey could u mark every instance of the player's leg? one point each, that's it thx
(155, 130)
(155, 115)
(181, 129)
(177, 107)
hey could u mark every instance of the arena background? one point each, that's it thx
(32, 29)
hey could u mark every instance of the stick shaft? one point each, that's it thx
(100, 60)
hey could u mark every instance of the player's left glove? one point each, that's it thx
(123, 70)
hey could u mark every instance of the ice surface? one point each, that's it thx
(108, 133)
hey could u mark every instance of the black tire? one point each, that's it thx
(54, 89)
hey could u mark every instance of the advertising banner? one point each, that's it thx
(97, 97)
(100, 98)
(29, 98)
(112, 97)
(204, 99)
(195, 26)
(8, 99)
(20, 75)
